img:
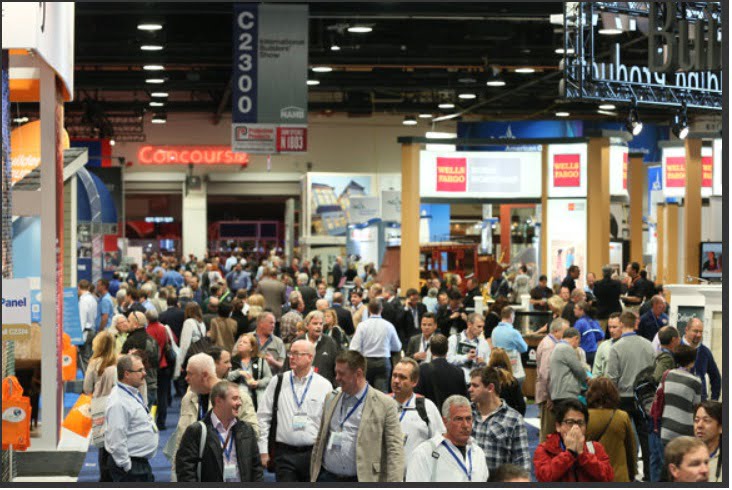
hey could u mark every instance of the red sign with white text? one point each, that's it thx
(566, 170)
(452, 174)
(707, 171)
(290, 140)
(625, 171)
(184, 155)
(676, 172)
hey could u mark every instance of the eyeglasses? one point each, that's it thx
(141, 370)
(571, 422)
(296, 354)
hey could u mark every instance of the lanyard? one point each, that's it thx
(264, 346)
(358, 403)
(425, 344)
(459, 461)
(551, 337)
(228, 442)
(294, 395)
(138, 397)
(404, 407)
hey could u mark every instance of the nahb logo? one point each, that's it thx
(15, 303)
(292, 112)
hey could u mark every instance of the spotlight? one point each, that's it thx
(446, 105)
(153, 68)
(634, 124)
(159, 119)
(149, 26)
(680, 126)
(156, 104)
(159, 94)
(467, 96)
(155, 81)
(360, 29)
(562, 114)
(607, 107)
(425, 116)
(495, 82)
(335, 47)
(322, 69)
(313, 82)
(112, 142)
(151, 47)
(409, 121)
(525, 69)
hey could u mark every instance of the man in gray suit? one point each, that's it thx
(273, 292)
(360, 439)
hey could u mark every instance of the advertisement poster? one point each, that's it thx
(330, 201)
(363, 209)
(568, 170)
(712, 260)
(707, 160)
(567, 236)
(685, 314)
(391, 206)
(674, 171)
(72, 319)
(618, 170)
(717, 169)
(480, 175)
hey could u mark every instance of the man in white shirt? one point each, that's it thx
(467, 349)
(453, 456)
(294, 424)
(376, 339)
(419, 418)
(88, 319)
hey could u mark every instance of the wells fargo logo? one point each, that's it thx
(567, 170)
(676, 172)
(452, 174)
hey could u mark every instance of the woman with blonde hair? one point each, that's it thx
(247, 368)
(510, 388)
(331, 328)
(103, 356)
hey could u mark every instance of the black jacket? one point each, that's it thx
(140, 340)
(607, 294)
(393, 312)
(174, 318)
(406, 329)
(345, 319)
(309, 297)
(438, 380)
(326, 351)
(212, 464)
(445, 323)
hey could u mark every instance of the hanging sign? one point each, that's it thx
(717, 168)
(674, 171)
(568, 170)
(618, 170)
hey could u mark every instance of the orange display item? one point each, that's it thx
(16, 416)
(68, 359)
(79, 419)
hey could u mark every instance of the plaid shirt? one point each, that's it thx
(503, 437)
(288, 325)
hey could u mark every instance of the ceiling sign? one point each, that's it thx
(568, 170)
(195, 155)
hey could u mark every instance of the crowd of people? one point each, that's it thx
(336, 378)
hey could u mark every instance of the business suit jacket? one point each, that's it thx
(345, 319)
(406, 329)
(274, 295)
(393, 312)
(379, 443)
(438, 380)
(607, 293)
(414, 345)
(309, 297)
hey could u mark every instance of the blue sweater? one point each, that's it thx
(704, 366)
(650, 325)
(590, 333)
(508, 338)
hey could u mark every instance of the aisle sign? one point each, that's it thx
(16, 303)
(674, 171)
(567, 170)
(269, 92)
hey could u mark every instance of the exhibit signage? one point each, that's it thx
(717, 167)
(480, 175)
(567, 237)
(618, 170)
(363, 209)
(674, 171)
(391, 206)
(270, 71)
(567, 170)
(184, 155)
(16, 305)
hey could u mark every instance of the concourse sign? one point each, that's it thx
(16, 304)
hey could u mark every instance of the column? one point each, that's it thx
(692, 208)
(195, 221)
(598, 204)
(672, 244)
(409, 252)
(544, 211)
(289, 228)
(636, 186)
(660, 243)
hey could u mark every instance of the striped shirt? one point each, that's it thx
(682, 391)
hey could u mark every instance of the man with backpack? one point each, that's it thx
(630, 355)
(418, 416)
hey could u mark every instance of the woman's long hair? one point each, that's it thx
(499, 359)
(103, 349)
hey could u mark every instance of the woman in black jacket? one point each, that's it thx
(607, 293)
(510, 388)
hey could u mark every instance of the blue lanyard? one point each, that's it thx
(551, 337)
(201, 410)
(294, 395)
(714, 454)
(459, 461)
(358, 403)
(229, 440)
(404, 407)
(138, 397)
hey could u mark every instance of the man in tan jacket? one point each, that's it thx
(201, 378)
(360, 438)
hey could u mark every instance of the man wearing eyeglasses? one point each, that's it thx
(131, 438)
(291, 411)
(566, 456)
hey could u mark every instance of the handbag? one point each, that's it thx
(171, 350)
(79, 419)
(99, 420)
(602, 433)
(169, 448)
(16, 415)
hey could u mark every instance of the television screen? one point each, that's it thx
(711, 261)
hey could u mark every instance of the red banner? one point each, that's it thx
(452, 174)
(291, 139)
(567, 170)
(707, 171)
(625, 171)
(676, 172)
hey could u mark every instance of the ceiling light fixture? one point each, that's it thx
(112, 142)
(446, 105)
(21, 120)
(151, 47)
(680, 126)
(495, 82)
(335, 47)
(360, 29)
(525, 69)
(561, 51)
(156, 81)
(322, 69)
(312, 83)
(633, 123)
(156, 104)
(562, 114)
(467, 96)
(610, 31)
(159, 119)
(409, 121)
(606, 113)
(159, 94)
(153, 68)
(607, 107)
(425, 116)
(149, 26)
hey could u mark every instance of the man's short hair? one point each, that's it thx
(263, 316)
(558, 324)
(635, 266)
(414, 375)
(411, 292)
(684, 355)
(542, 278)
(375, 306)
(353, 359)
(576, 294)
(571, 332)
(215, 352)
(613, 315)
(294, 299)
(628, 319)
(429, 314)
(474, 316)
(454, 294)
(152, 315)
(84, 285)
(488, 376)
(203, 362)
(309, 317)
(679, 447)
(124, 364)
(454, 401)
(507, 312)
(338, 298)
(561, 409)
(221, 390)
(438, 345)
(185, 292)
(302, 278)
(508, 472)
(140, 318)
(667, 335)
(103, 282)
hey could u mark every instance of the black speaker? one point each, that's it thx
(194, 183)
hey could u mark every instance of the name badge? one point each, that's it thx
(299, 421)
(336, 440)
(230, 472)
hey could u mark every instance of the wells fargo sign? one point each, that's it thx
(184, 155)
(452, 174)
(566, 170)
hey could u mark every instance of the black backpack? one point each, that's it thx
(422, 411)
(644, 390)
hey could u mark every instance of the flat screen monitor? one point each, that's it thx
(528, 322)
(711, 261)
